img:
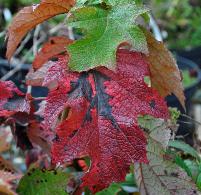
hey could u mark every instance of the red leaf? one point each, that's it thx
(57, 78)
(36, 78)
(53, 47)
(12, 100)
(102, 123)
(40, 136)
(31, 16)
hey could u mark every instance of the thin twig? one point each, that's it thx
(24, 42)
(20, 63)
(184, 115)
(35, 40)
(39, 98)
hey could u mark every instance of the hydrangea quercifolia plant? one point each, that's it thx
(96, 94)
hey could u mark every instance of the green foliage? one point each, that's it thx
(112, 190)
(181, 20)
(43, 182)
(185, 148)
(174, 113)
(104, 30)
(188, 80)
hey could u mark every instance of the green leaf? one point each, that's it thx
(185, 148)
(198, 183)
(43, 182)
(193, 166)
(112, 190)
(160, 176)
(180, 162)
(104, 31)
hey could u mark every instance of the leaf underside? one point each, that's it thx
(160, 176)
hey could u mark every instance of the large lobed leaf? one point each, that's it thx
(31, 16)
(160, 176)
(104, 31)
(102, 122)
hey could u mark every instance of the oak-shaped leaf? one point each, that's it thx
(102, 121)
(29, 17)
(165, 75)
(12, 100)
(104, 30)
(53, 47)
(41, 182)
(160, 175)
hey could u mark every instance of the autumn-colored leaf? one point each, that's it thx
(5, 179)
(58, 78)
(102, 122)
(12, 100)
(29, 17)
(36, 78)
(53, 47)
(40, 136)
(6, 166)
(5, 136)
(160, 176)
(165, 75)
(104, 30)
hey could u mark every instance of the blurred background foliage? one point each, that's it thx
(179, 21)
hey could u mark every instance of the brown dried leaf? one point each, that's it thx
(5, 179)
(36, 78)
(53, 47)
(165, 75)
(31, 16)
(4, 139)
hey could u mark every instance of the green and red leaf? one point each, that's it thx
(102, 122)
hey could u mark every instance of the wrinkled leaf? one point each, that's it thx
(160, 176)
(102, 121)
(29, 17)
(165, 75)
(104, 31)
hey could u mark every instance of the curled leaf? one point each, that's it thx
(165, 75)
(29, 17)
